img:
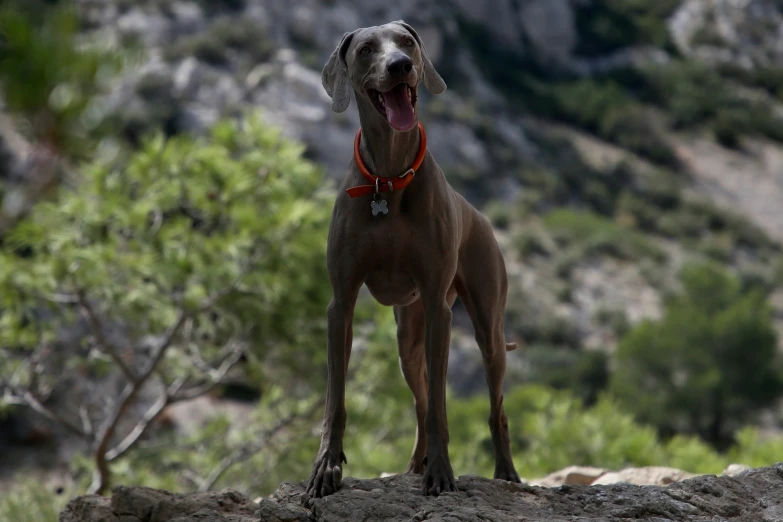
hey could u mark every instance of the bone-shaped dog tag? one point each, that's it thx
(379, 207)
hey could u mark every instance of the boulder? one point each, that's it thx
(650, 475)
(572, 475)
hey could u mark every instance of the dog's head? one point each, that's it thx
(384, 66)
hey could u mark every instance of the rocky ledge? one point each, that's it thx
(751, 496)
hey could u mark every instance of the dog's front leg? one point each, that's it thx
(438, 476)
(327, 471)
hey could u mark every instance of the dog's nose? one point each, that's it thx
(399, 64)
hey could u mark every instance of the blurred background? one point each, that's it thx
(167, 170)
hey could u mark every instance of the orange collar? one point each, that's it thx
(380, 184)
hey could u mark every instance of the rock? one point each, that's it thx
(651, 475)
(187, 77)
(748, 33)
(755, 496)
(151, 28)
(90, 508)
(572, 475)
(735, 470)
(550, 27)
(187, 13)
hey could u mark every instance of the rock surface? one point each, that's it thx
(752, 496)
(652, 475)
(572, 475)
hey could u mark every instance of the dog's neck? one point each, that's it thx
(386, 152)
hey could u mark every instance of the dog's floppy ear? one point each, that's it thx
(334, 77)
(432, 80)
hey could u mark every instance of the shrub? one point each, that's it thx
(499, 215)
(708, 365)
(608, 25)
(51, 77)
(197, 252)
(597, 235)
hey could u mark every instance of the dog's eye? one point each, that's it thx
(365, 50)
(408, 42)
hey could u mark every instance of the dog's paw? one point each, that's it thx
(438, 478)
(327, 475)
(507, 473)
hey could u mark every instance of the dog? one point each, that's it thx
(400, 229)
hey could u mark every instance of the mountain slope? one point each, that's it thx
(609, 141)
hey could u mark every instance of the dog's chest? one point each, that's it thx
(392, 243)
(391, 240)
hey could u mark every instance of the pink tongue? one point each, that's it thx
(399, 110)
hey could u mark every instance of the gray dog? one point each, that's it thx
(399, 228)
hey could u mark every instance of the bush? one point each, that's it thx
(708, 365)
(607, 110)
(51, 78)
(499, 215)
(597, 235)
(530, 243)
(632, 129)
(584, 373)
(552, 429)
(608, 25)
(770, 79)
(694, 94)
(196, 252)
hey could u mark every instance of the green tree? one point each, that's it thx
(708, 365)
(195, 254)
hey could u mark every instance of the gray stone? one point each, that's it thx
(755, 496)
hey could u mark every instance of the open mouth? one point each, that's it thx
(397, 105)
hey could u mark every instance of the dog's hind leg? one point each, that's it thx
(482, 287)
(410, 342)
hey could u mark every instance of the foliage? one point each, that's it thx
(585, 373)
(604, 108)
(52, 77)
(608, 25)
(549, 430)
(769, 79)
(179, 262)
(694, 94)
(31, 501)
(597, 235)
(708, 365)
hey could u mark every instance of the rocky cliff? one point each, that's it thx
(753, 496)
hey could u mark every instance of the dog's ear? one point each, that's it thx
(432, 80)
(334, 77)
